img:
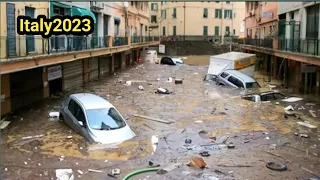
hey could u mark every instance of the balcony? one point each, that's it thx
(30, 46)
(304, 46)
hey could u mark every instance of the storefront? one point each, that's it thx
(55, 79)
(94, 68)
(26, 87)
(104, 65)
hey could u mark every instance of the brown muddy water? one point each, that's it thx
(200, 110)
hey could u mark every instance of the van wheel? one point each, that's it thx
(61, 118)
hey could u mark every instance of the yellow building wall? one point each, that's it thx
(40, 8)
(194, 18)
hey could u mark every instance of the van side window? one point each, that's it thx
(224, 74)
(236, 82)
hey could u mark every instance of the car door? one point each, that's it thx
(74, 112)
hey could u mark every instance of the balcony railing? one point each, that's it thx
(214, 39)
(305, 46)
(21, 46)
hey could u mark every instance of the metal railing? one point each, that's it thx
(305, 46)
(192, 38)
(266, 43)
(22, 46)
(120, 41)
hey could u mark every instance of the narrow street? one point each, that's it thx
(199, 110)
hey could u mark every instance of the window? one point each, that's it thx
(105, 119)
(154, 6)
(234, 32)
(205, 30)
(76, 111)
(252, 85)
(174, 30)
(174, 14)
(163, 14)
(234, 15)
(224, 75)
(217, 1)
(228, 2)
(218, 13)
(236, 82)
(216, 30)
(205, 13)
(227, 31)
(163, 31)
(312, 21)
(153, 19)
(227, 14)
(145, 28)
(132, 3)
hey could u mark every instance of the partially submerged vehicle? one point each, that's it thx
(95, 118)
(269, 96)
(236, 79)
(149, 56)
(171, 61)
(243, 62)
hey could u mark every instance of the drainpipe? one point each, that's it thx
(184, 20)
(221, 23)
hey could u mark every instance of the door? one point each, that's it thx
(105, 65)
(11, 30)
(30, 46)
(95, 38)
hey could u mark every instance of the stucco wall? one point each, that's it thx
(194, 18)
(40, 8)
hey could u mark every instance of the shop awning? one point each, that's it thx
(61, 5)
(83, 12)
(117, 20)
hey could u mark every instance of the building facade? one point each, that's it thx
(197, 18)
(34, 68)
(292, 53)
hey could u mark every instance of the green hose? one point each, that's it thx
(139, 171)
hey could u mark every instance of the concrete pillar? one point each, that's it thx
(275, 68)
(85, 71)
(318, 81)
(110, 41)
(112, 64)
(285, 73)
(129, 40)
(123, 61)
(131, 58)
(298, 75)
(5, 94)
(46, 90)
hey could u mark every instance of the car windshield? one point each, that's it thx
(252, 85)
(105, 119)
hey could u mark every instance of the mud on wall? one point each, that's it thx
(186, 48)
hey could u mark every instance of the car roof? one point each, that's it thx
(91, 101)
(244, 77)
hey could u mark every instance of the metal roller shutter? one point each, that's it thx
(72, 74)
(94, 69)
(105, 65)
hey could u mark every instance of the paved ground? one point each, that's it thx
(259, 131)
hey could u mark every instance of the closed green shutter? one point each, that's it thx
(174, 30)
(174, 15)
(205, 30)
(216, 13)
(205, 13)
(216, 30)
(225, 13)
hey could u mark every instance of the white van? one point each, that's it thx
(149, 56)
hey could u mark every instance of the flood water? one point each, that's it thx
(200, 110)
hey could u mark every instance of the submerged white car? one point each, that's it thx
(95, 118)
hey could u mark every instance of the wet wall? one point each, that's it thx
(186, 48)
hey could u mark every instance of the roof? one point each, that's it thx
(91, 101)
(240, 75)
(233, 56)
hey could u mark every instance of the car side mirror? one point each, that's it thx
(80, 123)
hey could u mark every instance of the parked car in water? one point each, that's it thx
(269, 96)
(236, 79)
(95, 118)
(171, 61)
(264, 96)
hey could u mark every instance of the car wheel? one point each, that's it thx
(61, 118)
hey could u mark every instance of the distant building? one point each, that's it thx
(197, 18)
